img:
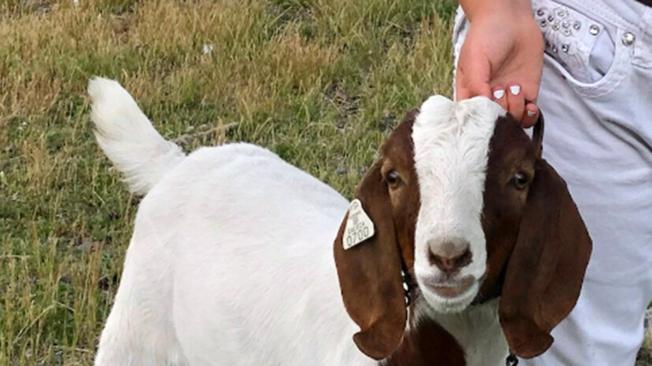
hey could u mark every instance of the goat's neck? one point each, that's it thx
(476, 329)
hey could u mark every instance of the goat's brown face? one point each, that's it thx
(510, 172)
(461, 198)
(402, 186)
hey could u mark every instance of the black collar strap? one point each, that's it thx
(408, 285)
(511, 359)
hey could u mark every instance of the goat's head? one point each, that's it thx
(461, 199)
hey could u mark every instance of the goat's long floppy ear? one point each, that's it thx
(370, 274)
(546, 269)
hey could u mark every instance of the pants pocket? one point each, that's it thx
(587, 52)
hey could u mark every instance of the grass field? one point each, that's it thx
(319, 82)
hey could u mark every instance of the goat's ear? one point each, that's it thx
(546, 269)
(370, 274)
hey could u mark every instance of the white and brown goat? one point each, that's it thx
(231, 260)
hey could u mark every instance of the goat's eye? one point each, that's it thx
(393, 179)
(520, 180)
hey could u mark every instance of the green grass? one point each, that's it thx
(318, 82)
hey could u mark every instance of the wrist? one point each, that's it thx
(481, 9)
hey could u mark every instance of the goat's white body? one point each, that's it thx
(231, 262)
(231, 258)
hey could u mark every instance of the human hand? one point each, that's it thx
(502, 56)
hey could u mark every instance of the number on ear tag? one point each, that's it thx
(358, 226)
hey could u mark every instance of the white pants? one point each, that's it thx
(596, 97)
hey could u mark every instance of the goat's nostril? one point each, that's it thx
(451, 262)
(464, 259)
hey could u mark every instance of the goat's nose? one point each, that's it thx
(450, 257)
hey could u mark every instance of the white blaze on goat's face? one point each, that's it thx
(451, 145)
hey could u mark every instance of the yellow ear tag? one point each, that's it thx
(359, 226)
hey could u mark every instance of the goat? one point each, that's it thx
(231, 261)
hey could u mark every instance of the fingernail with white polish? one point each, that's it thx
(531, 113)
(515, 89)
(499, 93)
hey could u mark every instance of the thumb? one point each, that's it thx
(472, 78)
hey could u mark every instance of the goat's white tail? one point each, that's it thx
(128, 137)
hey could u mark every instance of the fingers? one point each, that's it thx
(469, 91)
(512, 99)
(500, 96)
(531, 115)
(461, 92)
(516, 101)
(472, 78)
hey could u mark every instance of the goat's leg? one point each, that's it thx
(138, 331)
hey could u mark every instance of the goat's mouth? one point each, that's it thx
(449, 288)
(449, 296)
